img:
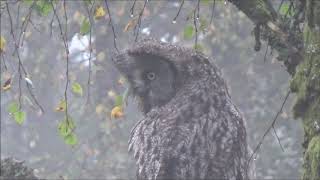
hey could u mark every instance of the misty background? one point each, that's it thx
(257, 86)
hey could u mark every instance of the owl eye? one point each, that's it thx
(151, 76)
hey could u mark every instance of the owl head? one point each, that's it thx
(156, 71)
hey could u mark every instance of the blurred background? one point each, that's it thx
(257, 83)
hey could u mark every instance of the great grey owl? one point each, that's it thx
(190, 129)
(14, 169)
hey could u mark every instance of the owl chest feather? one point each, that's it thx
(197, 137)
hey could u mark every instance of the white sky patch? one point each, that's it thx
(165, 38)
(146, 31)
(175, 39)
(79, 49)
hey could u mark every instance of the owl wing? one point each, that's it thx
(192, 141)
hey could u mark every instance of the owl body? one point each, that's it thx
(194, 132)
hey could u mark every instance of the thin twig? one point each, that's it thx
(21, 67)
(18, 16)
(138, 25)
(196, 29)
(112, 26)
(269, 128)
(132, 8)
(175, 18)
(212, 11)
(25, 24)
(89, 11)
(67, 61)
(198, 11)
(34, 97)
(19, 60)
(4, 61)
(64, 39)
(265, 54)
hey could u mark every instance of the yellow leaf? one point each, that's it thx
(99, 13)
(7, 84)
(2, 43)
(117, 112)
(130, 24)
(61, 106)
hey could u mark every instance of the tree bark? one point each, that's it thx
(304, 66)
(306, 84)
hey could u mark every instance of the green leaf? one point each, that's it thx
(43, 7)
(77, 89)
(188, 32)
(285, 8)
(71, 139)
(19, 117)
(85, 26)
(118, 100)
(13, 107)
(65, 127)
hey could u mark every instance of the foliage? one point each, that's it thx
(18, 115)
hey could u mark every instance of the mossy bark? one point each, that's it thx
(306, 76)
(306, 84)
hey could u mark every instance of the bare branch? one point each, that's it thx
(64, 39)
(132, 8)
(89, 11)
(268, 130)
(20, 65)
(138, 25)
(195, 19)
(212, 11)
(112, 26)
(175, 18)
(67, 62)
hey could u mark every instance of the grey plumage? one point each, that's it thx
(14, 169)
(190, 129)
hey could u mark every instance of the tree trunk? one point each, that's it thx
(306, 84)
(305, 68)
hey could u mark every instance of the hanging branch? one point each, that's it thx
(132, 8)
(51, 22)
(265, 54)
(18, 16)
(4, 61)
(256, 31)
(198, 9)
(195, 26)
(212, 11)
(24, 25)
(21, 68)
(67, 58)
(64, 39)
(175, 18)
(268, 130)
(89, 11)
(138, 25)
(114, 33)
